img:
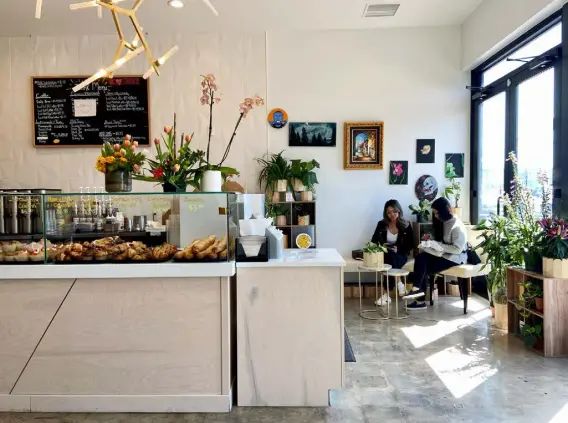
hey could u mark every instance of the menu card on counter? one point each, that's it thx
(106, 110)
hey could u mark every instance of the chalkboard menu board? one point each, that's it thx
(105, 110)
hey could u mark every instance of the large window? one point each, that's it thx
(517, 108)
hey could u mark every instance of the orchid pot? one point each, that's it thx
(212, 181)
(555, 268)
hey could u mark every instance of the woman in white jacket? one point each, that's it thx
(449, 250)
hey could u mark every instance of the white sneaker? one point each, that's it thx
(401, 289)
(383, 301)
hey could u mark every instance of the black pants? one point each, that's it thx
(425, 265)
(396, 260)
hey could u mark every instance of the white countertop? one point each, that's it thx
(117, 271)
(319, 257)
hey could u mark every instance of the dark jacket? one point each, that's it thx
(404, 242)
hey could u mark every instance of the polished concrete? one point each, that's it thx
(437, 366)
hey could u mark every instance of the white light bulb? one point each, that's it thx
(178, 4)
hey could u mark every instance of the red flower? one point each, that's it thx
(158, 173)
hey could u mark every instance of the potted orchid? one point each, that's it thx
(173, 166)
(554, 247)
(211, 175)
(118, 162)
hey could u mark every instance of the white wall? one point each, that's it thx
(496, 23)
(408, 78)
(238, 61)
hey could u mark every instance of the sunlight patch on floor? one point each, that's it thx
(561, 416)
(472, 304)
(420, 336)
(460, 371)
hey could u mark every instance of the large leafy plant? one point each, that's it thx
(304, 171)
(453, 190)
(422, 209)
(275, 167)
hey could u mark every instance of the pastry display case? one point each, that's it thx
(88, 228)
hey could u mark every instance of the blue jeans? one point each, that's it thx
(397, 261)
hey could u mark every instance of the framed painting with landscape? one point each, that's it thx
(312, 134)
(363, 145)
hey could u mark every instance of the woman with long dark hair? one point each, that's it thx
(448, 249)
(396, 234)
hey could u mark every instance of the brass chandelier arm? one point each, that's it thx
(138, 29)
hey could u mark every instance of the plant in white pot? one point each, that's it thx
(554, 248)
(211, 175)
(304, 178)
(374, 255)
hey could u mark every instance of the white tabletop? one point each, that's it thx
(315, 257)
(382, 268)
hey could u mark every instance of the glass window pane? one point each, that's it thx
(492, 154)
(535, 130)
(539, 45)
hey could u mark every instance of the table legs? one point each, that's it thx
(377, 310)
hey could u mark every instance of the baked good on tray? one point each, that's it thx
(209, 248)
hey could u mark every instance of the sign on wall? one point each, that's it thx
(106, 110)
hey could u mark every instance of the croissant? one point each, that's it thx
(204, 244)
(221, 245)
(179, 255)
(223, 254)
(205, 253)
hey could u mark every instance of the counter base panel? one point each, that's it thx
(116, 404)
(289, 336)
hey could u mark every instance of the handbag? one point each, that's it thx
(472, 257)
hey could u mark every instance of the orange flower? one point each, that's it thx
(123, 159)
(117, 154)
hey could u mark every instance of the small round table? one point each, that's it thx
(380, 269)
(398, 274)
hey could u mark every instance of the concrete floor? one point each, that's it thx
(437, 366)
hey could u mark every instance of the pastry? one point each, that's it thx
(89, 255)
(223, 254)
(1, 256)
(9, 257)
(9, 247)
(221, 245)
(204, 244)
(37, 255)
(101, 255)
(22, 256)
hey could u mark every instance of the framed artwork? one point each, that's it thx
(425, 151)
(277, 118)
(455, 165)
(426, 188)
(398, 174)
(308, 134)
(363, 145)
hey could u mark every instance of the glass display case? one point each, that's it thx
(76, 228)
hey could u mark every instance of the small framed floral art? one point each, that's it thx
(363, 147)
(398, 174)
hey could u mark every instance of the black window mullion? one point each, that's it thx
(511, 113)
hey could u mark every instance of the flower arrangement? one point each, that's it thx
(173, 167)
(555, 239)
(120, 157)
(210, 97)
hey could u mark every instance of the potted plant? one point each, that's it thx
(280, 213)
(421, 211)
(374, 255)
(174, 166)
(211, 175)
(304, 178)
(275, 173)
(118, 162)
(538, 297)
(499, 297)
(531, 334)
(453, 191)
(555, 247)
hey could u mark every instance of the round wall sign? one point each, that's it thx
(278, 118)
(426, 188)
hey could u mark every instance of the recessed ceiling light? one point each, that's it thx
(178, 4)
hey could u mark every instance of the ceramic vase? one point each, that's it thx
(303, 220)
(167, 187)
(557, 269)
(280, 220)
(298, 185)
(373, 259)
(118, 181)
(212, 181)
(282, 185)
(501, 316)
(539, 304)
(306, 196)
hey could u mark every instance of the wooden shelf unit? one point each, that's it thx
(292, 229)
(554, 316)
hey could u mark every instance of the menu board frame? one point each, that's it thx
(36, 145)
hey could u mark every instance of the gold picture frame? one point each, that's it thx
(363, 145)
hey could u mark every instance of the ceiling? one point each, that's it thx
(17, 16)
